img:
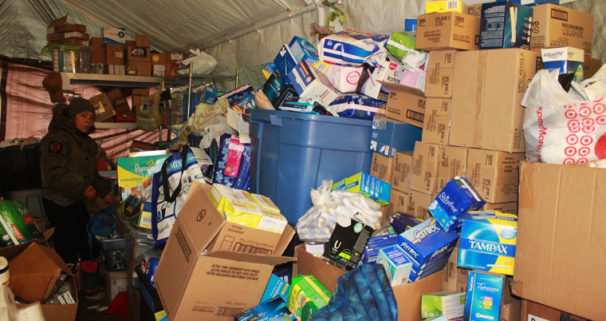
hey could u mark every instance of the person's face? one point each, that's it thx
(84, 121)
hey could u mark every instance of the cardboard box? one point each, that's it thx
(455, 278)
(561, 226)
(425, 167)
(505, 24)
(390, 136)
(142, 41)
(474, 9)
(400, 201)
(452, 162)
(538, 312)
(112, 35)
(591, 66)
(419, 202)
(307, 83)
(509, 207)
(557, 26)
(438, 82)
(139, 54)
(489, 86)
(445, 6)
(408, 296)
(405, 104)
(449, 30)
(114, 54)
(237, 279)
(494, 174)
(103, 107)
(49, 265)
(402, 167)
(97, 51)
(382, 167)
(138, 68)
(115, 282)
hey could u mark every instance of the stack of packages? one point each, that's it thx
(68, 46)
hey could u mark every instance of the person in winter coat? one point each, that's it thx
(70, 177)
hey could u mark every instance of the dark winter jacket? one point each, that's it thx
(69, 161)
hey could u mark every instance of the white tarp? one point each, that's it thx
(238, 33)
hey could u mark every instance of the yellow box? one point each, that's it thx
(223, 196)
(259, 219)
(445, 6)
(265, 202)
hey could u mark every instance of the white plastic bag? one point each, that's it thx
(203, 63)
(318, 223)
(559, 127)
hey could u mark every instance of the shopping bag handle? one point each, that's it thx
(165, 185)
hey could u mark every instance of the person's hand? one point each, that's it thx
(90, 192)
(109, 197)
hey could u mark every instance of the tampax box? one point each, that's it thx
(186, 271)
(406, 104)
(456, 198)
(560, 235)
(397, 266)
(565, 59)
(382, 167)
(494, 174)
(438, 82)
(557, 26)
(488, 241)
(488, 89)
(447, 303)
(307, 83)
(505, 24)
(402, 171)
(389, 136)
(366, 184)
(425, 167)
(483, 299)
(448, 30)
(428, 247)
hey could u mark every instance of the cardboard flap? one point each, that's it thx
(287, 236)
(34, 272)
(208, 220)
(398, 87)
(252, 258)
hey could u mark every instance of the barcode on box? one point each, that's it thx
(452, 5)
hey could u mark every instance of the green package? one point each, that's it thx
(399, 45)
(307, 295)
(17, 226)
(448, 304)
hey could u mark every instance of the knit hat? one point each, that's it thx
(78, 105)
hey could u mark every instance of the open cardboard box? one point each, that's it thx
(408, 296)
(210, 268)
(38, 282)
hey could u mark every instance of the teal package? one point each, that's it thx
(505, 24)
(275, 287)
(483, 300)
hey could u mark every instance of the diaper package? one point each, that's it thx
(349, 48)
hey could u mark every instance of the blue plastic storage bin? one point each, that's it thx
(292, 153)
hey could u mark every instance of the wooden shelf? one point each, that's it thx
(104, 80)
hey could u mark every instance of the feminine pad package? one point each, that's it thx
(488, 241)
(456, 198)
(349, 48)
(357, 106)
(428, 247)
(402, 222)
(375, 244)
